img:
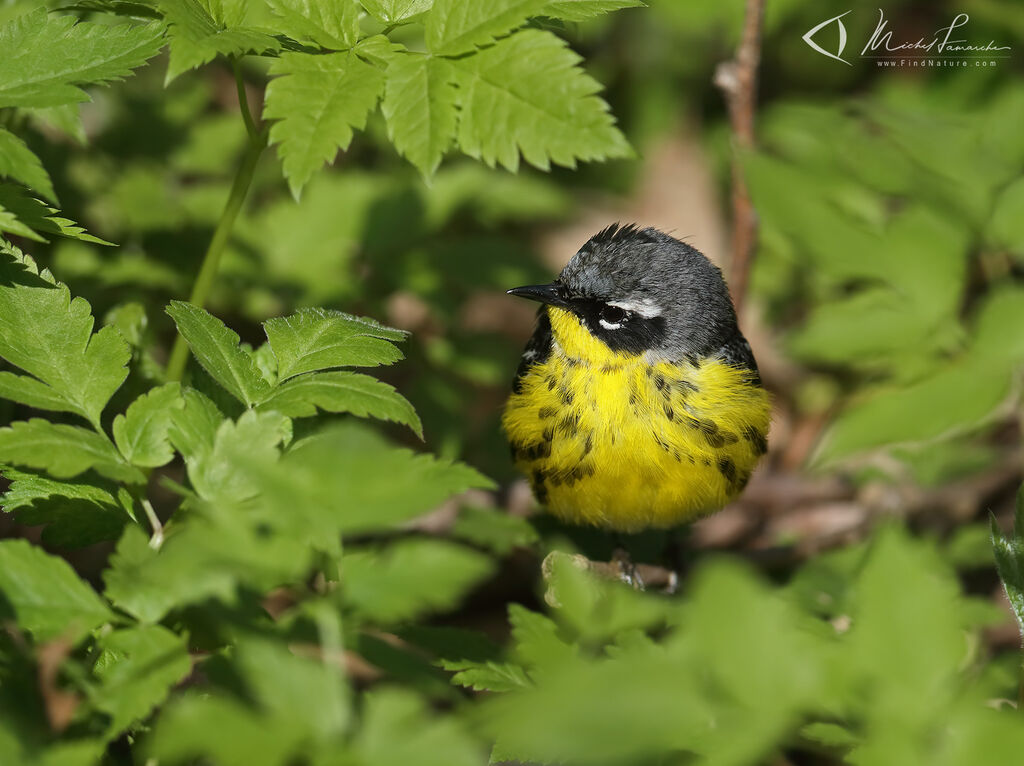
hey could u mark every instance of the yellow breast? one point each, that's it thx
(613, 440)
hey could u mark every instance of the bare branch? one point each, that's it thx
(738, 80)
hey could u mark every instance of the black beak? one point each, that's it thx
(553, 294)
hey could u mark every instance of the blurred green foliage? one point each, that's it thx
(294, 608)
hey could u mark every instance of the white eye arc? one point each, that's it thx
(612, 317)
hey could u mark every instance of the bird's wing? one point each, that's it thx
(537, 350)
(736, 352)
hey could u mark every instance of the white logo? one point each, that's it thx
(842, 38)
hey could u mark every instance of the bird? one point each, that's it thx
(637, 403)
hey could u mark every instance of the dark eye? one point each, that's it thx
(612, 315)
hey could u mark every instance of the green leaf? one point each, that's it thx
(934, 406)
(19, 162)
(137, 668)
(307, 695)
(359, 482)
(398, 729)
(1009, 555)
(319, 339)
(63, 451)
(47, 56)
(193, 428)
(216, 475)
(333, 25)
(342, 392)
(197, 37)
(493, 529)
(395, 11)
(489, 676)
(527, 94)
(581, 10)
(76, 513)
(419, 106)
(217, 349)
(225, 730)
(206, 556)
(46, 596)
(455, 26)
(317, 101)
(410, 578)
(25, 216)
(34, 393)
(141, 432)
(82, 368)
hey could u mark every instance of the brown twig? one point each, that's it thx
(738, 80)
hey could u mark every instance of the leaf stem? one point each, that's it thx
(204, 280)
(243, 102)
(157, 538)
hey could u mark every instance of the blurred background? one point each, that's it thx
(887, 296)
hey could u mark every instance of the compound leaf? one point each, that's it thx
(394, 11)
(317, 101)
(141, 432)
(333, 25)
(455, 26)
(419, 106)
(581, 10)
(24, 215)
(197, 37)
(62, 451)
(82, 368)
(318, 339)
(217, 349)
(526, 93)
(19, 162)
(46, 57)
(342, 392)
(46, 596)
(137, 668)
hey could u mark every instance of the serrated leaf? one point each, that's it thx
(217, 349)
(82, 368)
(19, 162)
(63, 451)
(310, 695)
(342, 392)
(419, 106)
(137, 668)
(46, 596)
(493, 529)
(333, 25)
(76, 513)
(581, 10)
(26, 216)
(215, 474)
(491, 676)
(410, 578)
(197, 37)
(34, 393)
(348, 479)
(526, 93)
(317, 101)
(46, 57)
(141, 432)
(193, 428)
(399, 729)
(318, 339)
(226, 731)
(394, 11)
(454, 26)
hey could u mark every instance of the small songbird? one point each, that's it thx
(637, 402)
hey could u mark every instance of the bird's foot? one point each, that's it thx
(628, 572)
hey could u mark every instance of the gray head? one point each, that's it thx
(641, 290)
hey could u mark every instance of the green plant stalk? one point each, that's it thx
(211, 260)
